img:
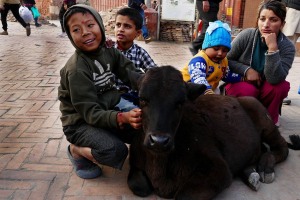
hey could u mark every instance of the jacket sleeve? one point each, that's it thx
(238, 47)
(122, 65)
(278, 64)
(197, 70)
(85, 100)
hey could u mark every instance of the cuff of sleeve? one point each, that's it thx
(246, 71)
(272, 52)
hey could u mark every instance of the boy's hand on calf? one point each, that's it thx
(132, 117)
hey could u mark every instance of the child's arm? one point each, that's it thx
(231, 77)
(145, 60)
(197, 70)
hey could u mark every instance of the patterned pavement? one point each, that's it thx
(33, 159)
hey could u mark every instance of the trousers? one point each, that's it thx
(271, 96)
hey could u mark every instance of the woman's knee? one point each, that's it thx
(280, 90)
(241, 89)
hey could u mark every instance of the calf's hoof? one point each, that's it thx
(253, 181)
(139, 184)
(267, 177)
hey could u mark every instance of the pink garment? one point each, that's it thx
(271, 96)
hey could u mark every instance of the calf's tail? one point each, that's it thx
(295, 142)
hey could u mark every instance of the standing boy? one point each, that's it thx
(13, 6)
(89, 99)
(140, 6)
(208, 12)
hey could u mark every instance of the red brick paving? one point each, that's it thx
(33, 159)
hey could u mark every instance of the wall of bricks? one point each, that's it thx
(243, 12)
(250, 14)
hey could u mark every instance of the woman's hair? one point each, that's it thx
(276, 6)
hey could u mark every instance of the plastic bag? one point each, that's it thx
(26, 14)
(35, 12)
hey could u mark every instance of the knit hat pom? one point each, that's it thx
(217, 34)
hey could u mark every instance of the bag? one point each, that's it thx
(35, 12)
(26, 14)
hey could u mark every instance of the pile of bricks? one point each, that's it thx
(108, 18)
(175, 31)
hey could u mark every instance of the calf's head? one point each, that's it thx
(162, 95)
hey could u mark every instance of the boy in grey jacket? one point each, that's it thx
(91, 119)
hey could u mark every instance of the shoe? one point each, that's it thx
(193, 51)
(277, 124)
(38, 25)
(4, 33)
(147, 40)
(286, 101)
(28, 30)
(62, 35)
(84, 168)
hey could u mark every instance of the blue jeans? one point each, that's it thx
(125, 105)
(144, 27)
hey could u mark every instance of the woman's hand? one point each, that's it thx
(253, 77)
(271, 41)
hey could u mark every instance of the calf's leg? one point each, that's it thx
(205, 185)
(278, 149)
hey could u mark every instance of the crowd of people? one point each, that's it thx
(99, 110)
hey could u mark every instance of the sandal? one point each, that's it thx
(84, 168)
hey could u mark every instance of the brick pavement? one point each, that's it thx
(33, 160)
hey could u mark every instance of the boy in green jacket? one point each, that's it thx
(90, 102)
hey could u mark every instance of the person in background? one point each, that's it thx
(29, 4)
(128, 26)
(13, 6)
(292, 26)
(65, 5)
(210, 65)
(264, 56)
(140, 6)
(208, 12)
(90, 103)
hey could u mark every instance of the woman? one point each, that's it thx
(263, 55)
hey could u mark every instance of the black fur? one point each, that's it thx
(192, 145)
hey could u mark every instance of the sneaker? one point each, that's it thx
(4, 33)
(84, 168)
(277, 124)
(28, 30)
(192, 50)
(38, 25)
(286, 101)
(62, 35)
(147, 40)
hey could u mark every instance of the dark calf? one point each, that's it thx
(192, 145)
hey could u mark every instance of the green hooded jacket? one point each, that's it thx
(87, 90)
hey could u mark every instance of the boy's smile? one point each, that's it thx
(85, 31)
(125, 31)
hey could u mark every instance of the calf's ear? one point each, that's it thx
(194, 90)
(135, 78)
